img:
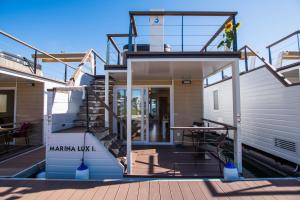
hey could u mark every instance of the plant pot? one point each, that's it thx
(230, 172)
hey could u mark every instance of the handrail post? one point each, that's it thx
(95, 64)
(35, 61)
(119, 58)
(107, 51)
(182, 33)
(246, 60)
(235, 48)
(270, 55)
(130, 36)
(66, 71)
(298, 43)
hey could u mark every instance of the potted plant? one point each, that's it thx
(228, 36)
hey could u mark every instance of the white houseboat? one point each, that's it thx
(145, 116)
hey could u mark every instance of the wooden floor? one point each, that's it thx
(41, 189)
(14, 165)
(167, 161)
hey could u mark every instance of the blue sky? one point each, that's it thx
(77, 25)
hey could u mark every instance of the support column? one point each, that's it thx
(106, 100)
(142, 114)
(129, 97)
(237, 115)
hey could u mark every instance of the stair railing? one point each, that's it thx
(85, 59)
(110, 110)
(244, 50)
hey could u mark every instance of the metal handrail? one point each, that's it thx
(284, 38)
(272, 69)
(34, 48)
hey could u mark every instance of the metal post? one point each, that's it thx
(129, 117)
(246, 60)
(206, 81)
(95, 61)
(182, 33)
(222, 74)
(298, 43)
(270, 55)
(237, 116)
(107, 51)
(66, 71)
(106, 99)
(130, 37)
(118, 58)
(35, 61)
(235, 48)
(87, 110)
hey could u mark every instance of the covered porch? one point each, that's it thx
(184, 76)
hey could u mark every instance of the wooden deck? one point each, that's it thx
(163, 189)
(170, 161)
(16, 164)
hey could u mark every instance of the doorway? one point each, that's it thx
(151, 113)
(7, 107)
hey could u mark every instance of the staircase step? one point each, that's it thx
(93, 123)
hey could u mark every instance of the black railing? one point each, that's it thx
(284, 39)
(180, 35)
(246, 53)
(35, 54)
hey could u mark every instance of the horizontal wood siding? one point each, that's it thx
(30, 103)
(269, 110)
(188, 103)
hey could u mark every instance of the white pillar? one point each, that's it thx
(237, 115)
(172, 112)
(92, 63)
(106, 100)
(142, 114)
(129, 97)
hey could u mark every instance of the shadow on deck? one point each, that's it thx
(166, 161)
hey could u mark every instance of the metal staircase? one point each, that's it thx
(94, 102)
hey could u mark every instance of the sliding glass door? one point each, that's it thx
(150, 114)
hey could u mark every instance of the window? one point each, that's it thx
(216, 99)
(3, 103)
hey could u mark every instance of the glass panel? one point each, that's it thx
(159, 114)
(7, 107)
(3, 103)
(136, 111)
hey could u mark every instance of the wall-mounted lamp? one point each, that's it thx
(186, 82)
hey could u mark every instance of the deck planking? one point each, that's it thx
(16, 164)
(164, 161)
(158, 189)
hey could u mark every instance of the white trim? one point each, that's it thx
(117, 71)
(28, 76)
(129, 117)
(172, 122)
(237, 116)
(142, 114)
(179, 59)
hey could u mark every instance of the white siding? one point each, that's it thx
(63, 164)
(269, 110)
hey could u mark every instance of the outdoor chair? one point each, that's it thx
(192, 134)
(23, 131)
(215, 147)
